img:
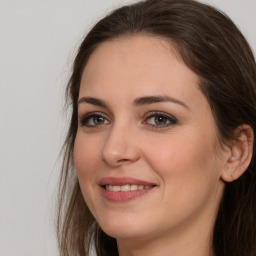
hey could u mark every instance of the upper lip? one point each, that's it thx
(119, 181)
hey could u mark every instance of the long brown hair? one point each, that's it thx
(212, 46)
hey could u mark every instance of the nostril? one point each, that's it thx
(122, 160)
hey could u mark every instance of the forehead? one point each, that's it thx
(135, 66)
(135, 51)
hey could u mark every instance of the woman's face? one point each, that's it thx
(146, 129)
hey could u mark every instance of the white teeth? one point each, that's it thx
(115, 188)
(134, 187)
(126, 187)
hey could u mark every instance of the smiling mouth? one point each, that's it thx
(127, 187)
(123, 189)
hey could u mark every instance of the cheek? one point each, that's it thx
(86, 156)
(189, 176)
(86, 159)
(185, 161)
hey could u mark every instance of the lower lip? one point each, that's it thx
(124, 195)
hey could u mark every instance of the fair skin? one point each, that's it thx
(143, 117)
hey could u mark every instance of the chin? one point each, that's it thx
(129, 229)
(126, 234)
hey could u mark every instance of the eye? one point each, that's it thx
(160, 120)
(93, 120)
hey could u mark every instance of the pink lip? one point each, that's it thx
(124, 195)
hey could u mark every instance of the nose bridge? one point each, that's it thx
(120, 146)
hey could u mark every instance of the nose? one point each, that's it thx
(120, 147)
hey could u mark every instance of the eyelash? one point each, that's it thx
(168, 119)
(88, 117)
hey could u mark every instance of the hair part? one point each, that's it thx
(211, 45)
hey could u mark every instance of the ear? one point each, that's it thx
(241, 149)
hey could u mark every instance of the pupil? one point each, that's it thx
(160, 120)
(99, 120)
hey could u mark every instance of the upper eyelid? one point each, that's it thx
(85, 108)
(153, 113)
(93, 113)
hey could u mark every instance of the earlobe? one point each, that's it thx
(241, 150)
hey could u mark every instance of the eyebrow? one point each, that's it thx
(137, 102)
(93, 101)
(154, 99)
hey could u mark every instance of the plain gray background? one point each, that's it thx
(38, 42)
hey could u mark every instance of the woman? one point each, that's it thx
(159, 157)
